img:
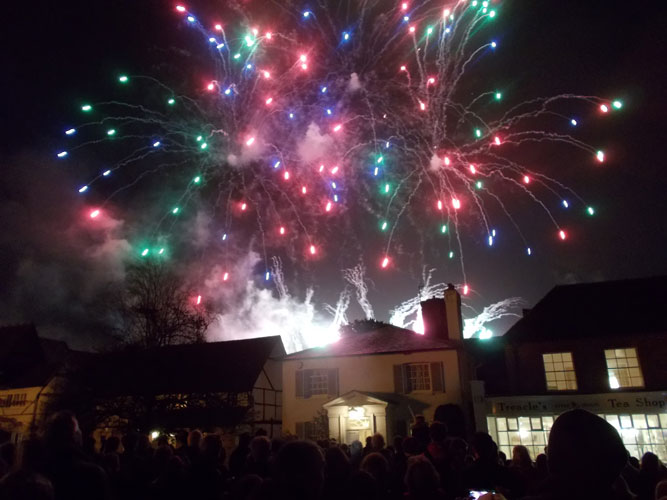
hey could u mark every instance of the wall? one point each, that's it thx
(267, 395)
(526, 369)
(368, 374)
(18, 419)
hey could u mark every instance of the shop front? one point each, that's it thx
(639, 417)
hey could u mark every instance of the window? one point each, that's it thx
(641, 432)
(559, 371)
(623, 368)
(319, 382)
(419, 376)
(316, 382)
(409, 377)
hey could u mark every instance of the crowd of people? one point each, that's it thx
(585, 458)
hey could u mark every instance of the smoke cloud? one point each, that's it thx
(314, 145)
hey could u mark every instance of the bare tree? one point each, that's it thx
(154, 308)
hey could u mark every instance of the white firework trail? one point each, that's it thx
(356, 277)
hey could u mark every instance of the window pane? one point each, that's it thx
(559, 371)
(502, 424)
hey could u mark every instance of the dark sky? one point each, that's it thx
(56, 53)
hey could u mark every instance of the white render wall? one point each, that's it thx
(371, 373)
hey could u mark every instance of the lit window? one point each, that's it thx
(559, 371)
(419, 376)
(319, 382)
(623, 368)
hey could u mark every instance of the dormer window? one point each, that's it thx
(559, 371)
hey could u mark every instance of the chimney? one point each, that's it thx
(442, 317)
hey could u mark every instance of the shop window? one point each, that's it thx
(623, 368)
(640, 432)
(559, 371)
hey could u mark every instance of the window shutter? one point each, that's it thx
(299, 384)
(437, 377)
(307, 389)
(398, 379)
(332, 380)
(406, 379)
(300, 431)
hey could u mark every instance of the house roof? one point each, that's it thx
(602, 309)
(25, 359)
(384, 340)
(231, 366)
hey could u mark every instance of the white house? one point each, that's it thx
(379, 380)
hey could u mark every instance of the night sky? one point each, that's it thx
(56, 54)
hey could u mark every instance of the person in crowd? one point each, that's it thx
(73, 476)
(651, 472)
(422, 480)
(237, 459)
(369, 446)
(298, 473)
(378, 446)
(258, 461)
(363, 486)
(378, 466)
(172, 483)
(586, 456)
(249, 487)
(420, 431)
(7, 457)
(209, 476)
(25, 482)
(193, 447)
(661, 490)
(110, 459)
(337, 470)
(436, 450)
(522, 466)
(181, 445)
(541, 468)
(356, 454)
(485, 473)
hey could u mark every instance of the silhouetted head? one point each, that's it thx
(411, 446)
(650, 462)
(181, 438)
(541, 462)
(299, 470)
(521, 456)
(337, 465)
(244, 440)
(112, 444)
(438, 431)
(585, 450)
(377, 466)
(421, 478)
(377, 441)
(362, 486)
(260, 448)
(63, 431)
(194, 438)
(483, 447)
(130, 442)
(212, 447)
